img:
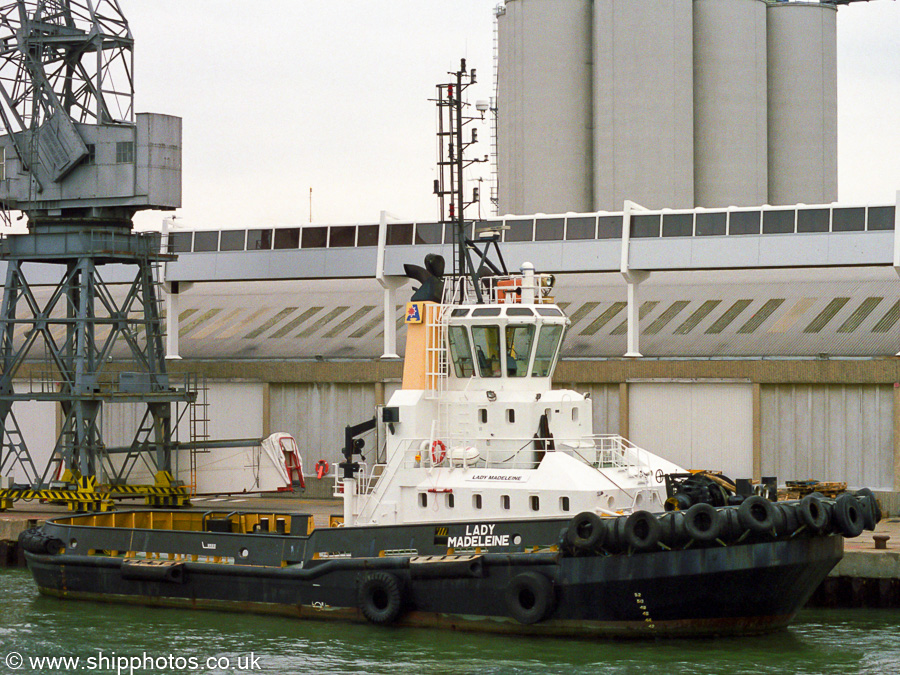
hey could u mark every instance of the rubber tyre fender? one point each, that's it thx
(871, 510)
(587, 531)
(789, 520)
(53, 546)
(672, 525)
(380, 598)
(642, 531)
(757, 514)
(731, 525)
(848, 516)
(703, 522)
(812, 513)
(529, 597)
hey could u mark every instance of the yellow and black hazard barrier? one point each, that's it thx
(90, 496)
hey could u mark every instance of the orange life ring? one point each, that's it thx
(438, 451)
(321, 468)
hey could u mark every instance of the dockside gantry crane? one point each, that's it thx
(78, 162)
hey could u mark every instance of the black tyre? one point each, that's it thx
(672, 529)
(813, 513)
(529, 597)
(380, 599)
(788, 518)
(871, 510)
(642, 531)
(586, 531)
(731, 525)
(703, 522)
(848, 516)
(53, 545)
(757, 514)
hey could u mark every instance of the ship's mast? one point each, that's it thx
(453, 117)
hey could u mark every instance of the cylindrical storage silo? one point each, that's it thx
(643, 103)
(544, 106)
(802, 56)
(730, 115)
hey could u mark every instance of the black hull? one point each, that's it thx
(737, 589)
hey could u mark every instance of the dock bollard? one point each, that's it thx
(881, 540)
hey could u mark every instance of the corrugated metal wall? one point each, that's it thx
(829, 432)
(605, 404)
(316, 414)
(695, 425)
(37, 422)
(235, 410)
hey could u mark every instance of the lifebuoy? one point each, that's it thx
(380, 599)
(586, 531)
(757, 514)
(529, 597)
(642, 530)
(848, 515)
(438, 451)
(812, 513)
(703, 522)
(321, 468)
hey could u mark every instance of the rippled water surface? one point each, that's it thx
(820, 641)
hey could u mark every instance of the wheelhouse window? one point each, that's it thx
(487, 349)
(461, 351)
(519, 340)
(547, 344)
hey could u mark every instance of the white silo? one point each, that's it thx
(643, 103)
(802, 57)
(730, 115)
(544, 102)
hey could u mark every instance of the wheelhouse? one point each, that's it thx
(514, 341)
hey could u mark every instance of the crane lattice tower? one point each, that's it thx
(78, 162)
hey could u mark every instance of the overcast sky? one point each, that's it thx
(280, 96)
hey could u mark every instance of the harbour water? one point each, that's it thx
(108, 638)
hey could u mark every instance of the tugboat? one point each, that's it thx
(469, 524)
(495, 509)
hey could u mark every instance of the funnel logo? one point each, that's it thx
(413, 315)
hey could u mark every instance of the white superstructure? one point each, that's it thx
(477, 431)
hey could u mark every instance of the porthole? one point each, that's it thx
(244, 552)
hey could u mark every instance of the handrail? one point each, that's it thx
(600, 451)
